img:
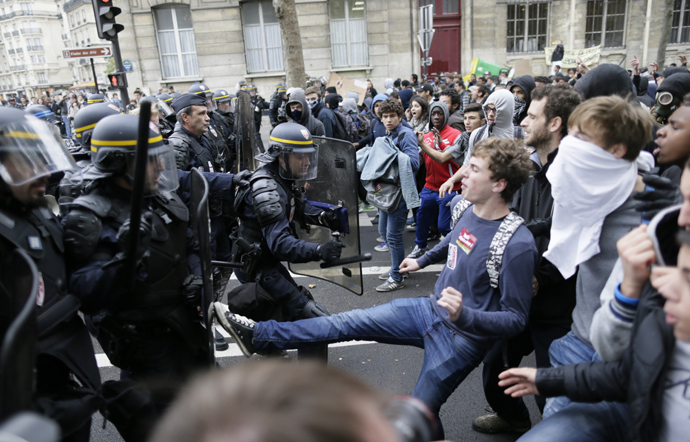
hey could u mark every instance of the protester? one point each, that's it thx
(451, 98)
(320, 111)
(418, 114)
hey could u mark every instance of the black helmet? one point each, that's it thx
(165, 98)
(95, 98)
(86, 120)
(222, 95)
(114, 143)
(42, 112)
(298, 154)
(29, 149)
(200, 89)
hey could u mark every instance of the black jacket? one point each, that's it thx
(306, 118)
(558, 53)
(555, 298)
(637, 379)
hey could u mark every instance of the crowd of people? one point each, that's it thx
(558, 205)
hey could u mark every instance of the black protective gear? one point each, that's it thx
(94, 99)
(193, 286)
(200, 89)
(660, 193)
(313, 310)
(330, 219)
(242, 178)
(86, 119)
(268, 205)
(330, 251)
(145, 227)
(82, 232)
(41, 112)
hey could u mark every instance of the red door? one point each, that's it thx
(445, 47)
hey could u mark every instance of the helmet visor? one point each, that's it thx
(163, 108)
(161, 170)
(29, 149)
(299, 164)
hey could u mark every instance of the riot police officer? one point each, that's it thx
(276, 110)
(94, 98)
(166, 121)
(67, 380)
(267, 211)
(223, 114)
(218, 135)
(151, 331)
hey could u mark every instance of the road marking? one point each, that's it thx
(375, 270)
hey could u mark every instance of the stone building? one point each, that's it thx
(31, 62)
(221, 42)
(503, 31)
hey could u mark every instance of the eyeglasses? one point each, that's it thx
(488, 109)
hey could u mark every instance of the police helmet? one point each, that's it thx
(95, 98)
(165, 98)
(298, 155)
(114, 143)
(280, 86)
(281, 90)
(222, 95)
(41, 112)
(242, 85)
(175, 95)
(86, 120)
(200, 89)
(29, 149)
(250, 87)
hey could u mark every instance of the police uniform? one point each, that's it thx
(152, 332)
(67, 380)
(276, 111)
(191, 151)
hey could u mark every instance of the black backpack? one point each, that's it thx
(346, 128)
(363, 125)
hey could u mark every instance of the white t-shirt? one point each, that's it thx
(676, 407)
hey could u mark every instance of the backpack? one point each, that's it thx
(363, 125)
(346, 129)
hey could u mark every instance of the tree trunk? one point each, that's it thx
(665, 34)
(292, 43)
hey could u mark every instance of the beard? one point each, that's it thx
(540, 139)
(38, 200)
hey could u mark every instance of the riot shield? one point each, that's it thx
(247, 147)
(335, 184)
(19, 285)
(201, 225)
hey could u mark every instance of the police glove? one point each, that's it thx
(330, 219)
(663, 193)
(330, 251)
(241, 179)
(145, 226)
(192, 287)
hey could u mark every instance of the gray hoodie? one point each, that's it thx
(444, 108)
(349, 105)
(502, 127)
(307, 120)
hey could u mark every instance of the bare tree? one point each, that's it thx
(292, 42)
(665, 33)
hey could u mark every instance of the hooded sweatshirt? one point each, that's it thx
(388, 83)
(305, 118)
(642, 87)
(325, 116)
(502, 127)
(605, 80)
(405, 96)
(349, 105)
(437, 174)
(527, 84)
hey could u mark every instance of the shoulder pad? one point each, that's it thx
(269, 207)
(178, 139)
(82, 232)
(97, 204)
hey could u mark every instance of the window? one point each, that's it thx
(450, 6)
(527, 27)
(680, 24)
(26, 8)
(41, 58)
(33, 59)
(605, 23)
(176, 41)
(262, 38)
(42, 78)
(348, 33)
(71, 19)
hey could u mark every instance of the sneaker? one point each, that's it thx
(239, 327)
(385, 276)
(221, 343)
(383, 247)
(380, 239)
(493, 423)
(412, 227)
(390, 285)
(417, 252)
(433, 237)
(376, 219)
(409, 220)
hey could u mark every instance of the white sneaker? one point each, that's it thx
(417, 252)
(381, 247)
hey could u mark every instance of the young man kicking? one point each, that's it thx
(483, 294)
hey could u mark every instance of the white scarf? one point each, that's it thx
(587, 183)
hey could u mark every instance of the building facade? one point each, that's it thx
(31, 62)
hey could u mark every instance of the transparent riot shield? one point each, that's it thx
(19, 285)
(247, 147)
(201, 225)
(336, 184)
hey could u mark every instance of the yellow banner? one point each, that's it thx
(589, 56)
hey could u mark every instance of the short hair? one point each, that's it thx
(453, 94)
(422, 103)
(272, 400)
(405, 83)
(394, 94)
(391, 105)
(508, 160)
(475, 107)
(415, 76)
(561, 101)
(482, 89)
(313, 90)
(614, 120)
(184, 111)
(542, 80)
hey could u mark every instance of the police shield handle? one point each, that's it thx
(348, 260)
(137, 193)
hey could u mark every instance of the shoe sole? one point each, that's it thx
(220, 310)
(380, 250)
(518, 430)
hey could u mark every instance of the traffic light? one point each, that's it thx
(117, 79)
(105, 19)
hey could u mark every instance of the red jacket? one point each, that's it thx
(437, 174)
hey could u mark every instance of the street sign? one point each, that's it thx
(427, 61)
(426, 27)
(94, 51)
(128, 66)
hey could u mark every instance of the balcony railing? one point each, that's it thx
(34, 48)
(28, 31)
(19, 67)
(28, 14)
(73, 3)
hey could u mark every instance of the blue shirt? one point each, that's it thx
(488, 313)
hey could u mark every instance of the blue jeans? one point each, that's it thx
(432, 207)
(391, 226)
(68, 126)
(448, 356)
(565, 420)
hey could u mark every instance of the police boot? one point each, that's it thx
(312, 310)
(221, 343)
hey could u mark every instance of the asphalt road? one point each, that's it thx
(393, 369)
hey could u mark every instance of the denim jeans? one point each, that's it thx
(432, 207)
(448, 356)
(68, 126)
(568, 421)
(391, 226)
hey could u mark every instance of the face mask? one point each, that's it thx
(666, 104)
(296, 115)
(312, 104)
(520, 105)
